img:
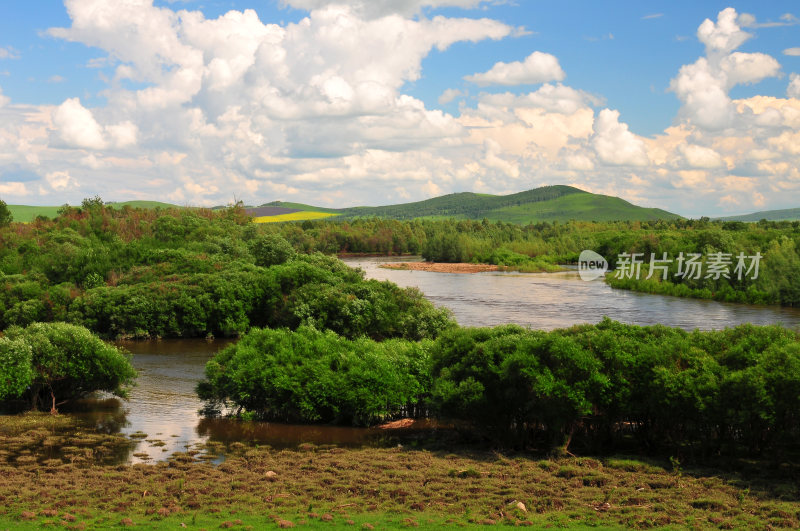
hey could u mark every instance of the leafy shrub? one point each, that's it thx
(271, 249)
(57, 362)
(314, 376)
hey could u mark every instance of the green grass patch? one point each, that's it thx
(26, 213)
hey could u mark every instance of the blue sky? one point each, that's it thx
(125, 101)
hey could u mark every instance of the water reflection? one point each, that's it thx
(280, 435)
(103, 414)
(163, 407)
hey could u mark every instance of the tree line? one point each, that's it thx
(540, 246)
(135, 273)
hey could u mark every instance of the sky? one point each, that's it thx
(693, 107)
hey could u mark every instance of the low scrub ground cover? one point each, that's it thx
(424, 486)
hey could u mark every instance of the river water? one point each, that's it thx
(545, 301)
(164, 406)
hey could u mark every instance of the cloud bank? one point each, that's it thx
(201, 110)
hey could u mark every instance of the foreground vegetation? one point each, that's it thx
(424, 484)
(597, 388)
(47, 364)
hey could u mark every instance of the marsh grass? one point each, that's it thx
(332, 488)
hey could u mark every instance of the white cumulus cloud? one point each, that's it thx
(703, 86)
(449, 95)
(379, 8)
(60, 180)
(538, 67)
(318, 111)
(614, 143)
(13, 188)
(76, 125)
(793, 91)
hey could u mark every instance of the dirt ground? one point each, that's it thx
(441, 267)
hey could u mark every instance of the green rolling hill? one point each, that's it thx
(26, 213)
(548, 203)
(788, 214)
(303, 207)
(142, 204)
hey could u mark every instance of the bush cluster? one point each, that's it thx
(45, 364)
(605, 385)
(190, 273)
(313, 376)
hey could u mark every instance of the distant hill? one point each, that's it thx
(788, 214)
(548, 203)
(26, 213)
(142, 204)
(301, 207)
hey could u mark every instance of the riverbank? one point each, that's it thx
(421, 485)
(441, 267)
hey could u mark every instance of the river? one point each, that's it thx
(545, 301)
(164, 405)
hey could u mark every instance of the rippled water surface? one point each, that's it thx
(556, 300)
(164, 405)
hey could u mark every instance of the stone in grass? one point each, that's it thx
(126, 522)
(285, 524)
(271, 475)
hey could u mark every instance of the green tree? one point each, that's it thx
(16, 372)
(5, 214)
(66, 361)
(272, 250)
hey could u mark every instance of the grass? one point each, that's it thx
(26, 214)
(424, 486)
(294, 216)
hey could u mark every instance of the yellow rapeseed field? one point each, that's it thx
(294, 216)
